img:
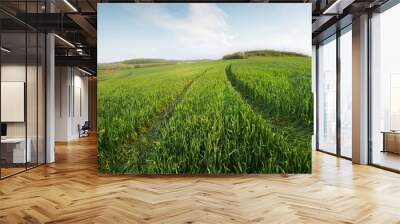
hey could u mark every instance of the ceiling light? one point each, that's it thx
(86, 72)
(79, 51)
(70, 5)
(338, 6)
(5, 50)
(64, 40)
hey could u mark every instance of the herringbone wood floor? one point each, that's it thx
(71, 191)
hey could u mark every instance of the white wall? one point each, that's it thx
(70, 83)
(79, 117)
(62, 82)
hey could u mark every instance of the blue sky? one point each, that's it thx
(199, 31)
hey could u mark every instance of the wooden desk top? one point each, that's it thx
(391, 132)
(13, 140)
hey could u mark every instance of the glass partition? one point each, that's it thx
(13, 94)
(327, 96)
(23, 91)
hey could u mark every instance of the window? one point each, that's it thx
(327, 96)
(385, 89)
(346, 93)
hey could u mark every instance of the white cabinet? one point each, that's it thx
(19, 155)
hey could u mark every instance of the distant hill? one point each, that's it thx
(154, 62)
(147, 61)
(136, 63)
(261, 53)
(143, 63)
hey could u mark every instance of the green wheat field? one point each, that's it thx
(250, 112)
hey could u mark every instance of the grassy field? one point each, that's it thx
(251, 115)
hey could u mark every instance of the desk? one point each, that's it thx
(391, 141)
(13, 150)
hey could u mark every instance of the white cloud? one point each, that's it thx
(203, 31)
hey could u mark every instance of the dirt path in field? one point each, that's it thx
(293, 132)
(144, 144)
(161, 119)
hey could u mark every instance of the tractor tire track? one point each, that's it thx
(145, 142)
(163, 118)
(289, 130)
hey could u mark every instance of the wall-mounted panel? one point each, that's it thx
(12, 101)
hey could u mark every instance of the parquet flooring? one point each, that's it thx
(71, 191)
(10, 171)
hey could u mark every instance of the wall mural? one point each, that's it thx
(204, 88)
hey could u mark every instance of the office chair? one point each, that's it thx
(84, 130)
